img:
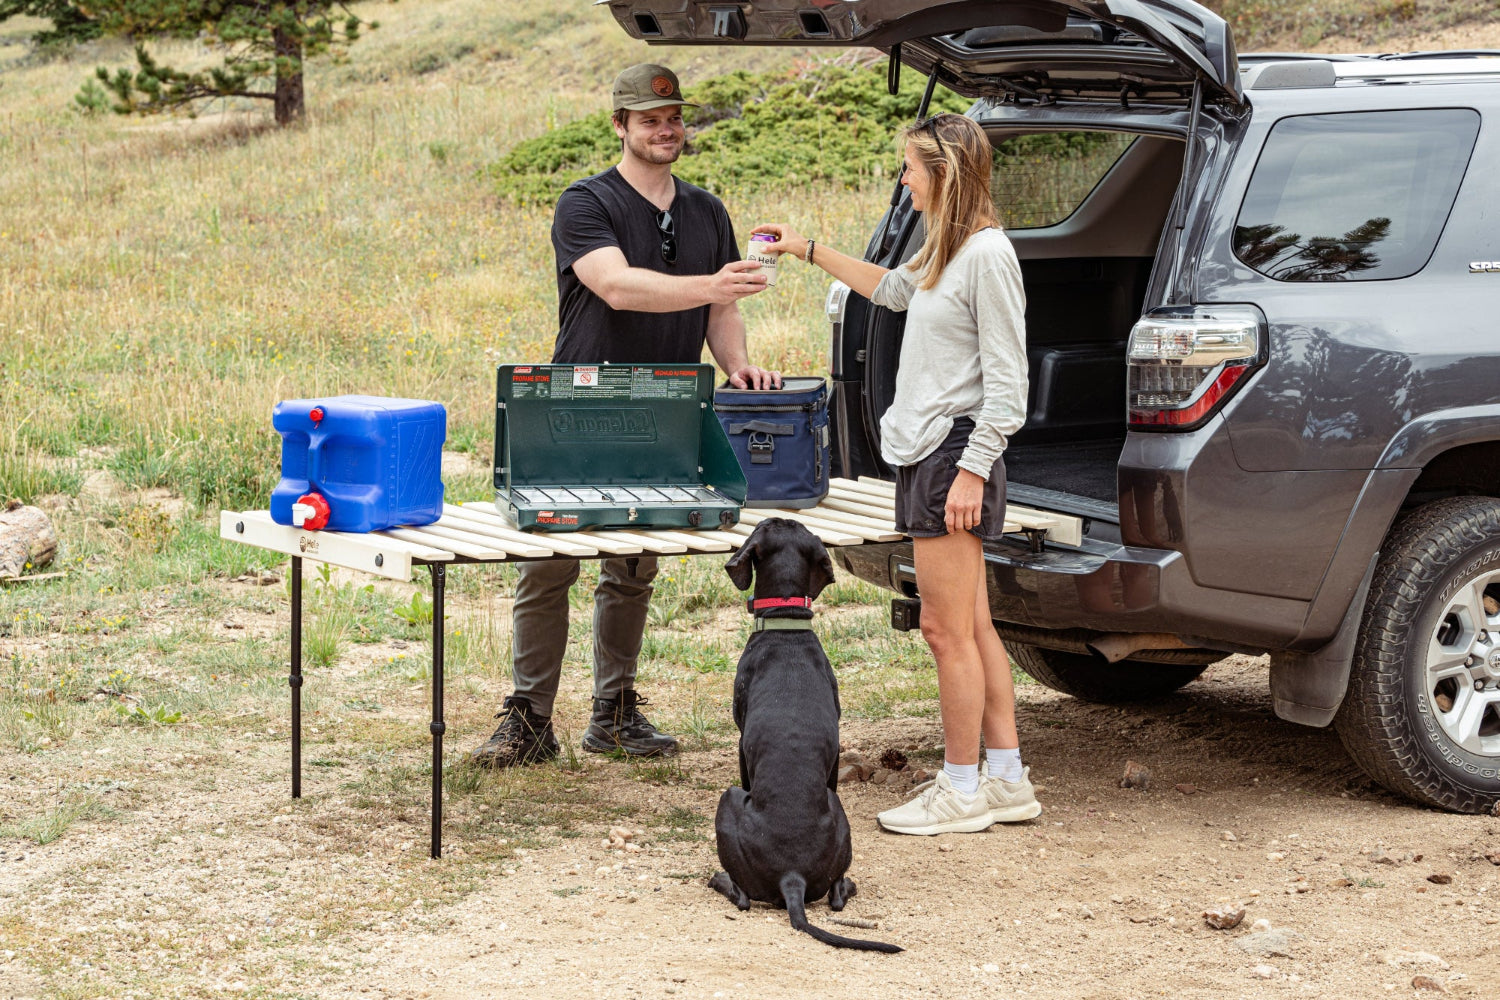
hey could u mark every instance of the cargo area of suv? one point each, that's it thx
(1086, 229)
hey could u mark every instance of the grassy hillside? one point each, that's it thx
(162, 282)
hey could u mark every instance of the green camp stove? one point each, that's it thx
(612, 446)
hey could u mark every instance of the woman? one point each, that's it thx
(945, 433)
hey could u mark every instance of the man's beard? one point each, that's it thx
(645, 149)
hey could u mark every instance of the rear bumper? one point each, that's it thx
(1104, 587)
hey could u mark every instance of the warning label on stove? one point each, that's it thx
(604, 382)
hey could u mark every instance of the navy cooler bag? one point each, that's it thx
(780, 437)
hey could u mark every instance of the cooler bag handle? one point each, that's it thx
(762, 443)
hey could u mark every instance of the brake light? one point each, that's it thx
(1183, 366)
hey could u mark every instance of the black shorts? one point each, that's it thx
(922, 490)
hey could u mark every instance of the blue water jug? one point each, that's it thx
(359, 463)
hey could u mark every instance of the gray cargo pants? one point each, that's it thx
(539, 634)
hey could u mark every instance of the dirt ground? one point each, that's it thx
(1101, 896)
(1346, 891)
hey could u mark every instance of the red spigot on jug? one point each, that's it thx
(310, 512)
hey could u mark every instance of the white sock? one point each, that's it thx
(1004, 764)
(964, 777)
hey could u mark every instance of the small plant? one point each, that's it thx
(92, 99)
(661, 772)
(116, 684)
(569, 759)
(46, 827)
(155, 716)
(700, 724)
(324, 640)
(418, 611)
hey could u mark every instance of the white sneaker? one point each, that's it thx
(1009, 801)
(938, 808)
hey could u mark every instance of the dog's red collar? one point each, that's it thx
(755, 604)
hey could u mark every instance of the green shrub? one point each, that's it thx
(788, 127)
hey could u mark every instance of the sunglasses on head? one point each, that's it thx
(930, 123)
(668, 231)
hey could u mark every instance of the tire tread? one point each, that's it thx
(1375, 722)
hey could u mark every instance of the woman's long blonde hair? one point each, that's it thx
(957, 154)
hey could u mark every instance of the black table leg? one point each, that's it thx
(295, 680)
(439, 575)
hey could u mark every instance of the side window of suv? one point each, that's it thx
(1353, 197)
(1039, 180)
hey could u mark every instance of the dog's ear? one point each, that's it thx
(819, 573)
(741, 566)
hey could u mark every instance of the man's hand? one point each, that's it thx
(751, 377)
(734, 281)
(965, 502)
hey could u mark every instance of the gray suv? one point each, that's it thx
(1263, 301)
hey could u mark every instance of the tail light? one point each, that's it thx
(1183, 365)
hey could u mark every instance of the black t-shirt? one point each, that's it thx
(604, 210)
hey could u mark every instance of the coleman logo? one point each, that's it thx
(601, 424)
(1484, 266)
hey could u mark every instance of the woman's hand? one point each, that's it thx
(965, 502)
(788, 240)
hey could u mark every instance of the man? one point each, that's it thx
(648, 270)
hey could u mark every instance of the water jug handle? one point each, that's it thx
(315, 444)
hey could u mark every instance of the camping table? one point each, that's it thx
(854, 513)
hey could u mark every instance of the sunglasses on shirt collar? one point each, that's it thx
(668, 231)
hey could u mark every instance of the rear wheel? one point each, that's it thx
(1092, 678)
(1422, 714)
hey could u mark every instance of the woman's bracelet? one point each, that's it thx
(810, 245)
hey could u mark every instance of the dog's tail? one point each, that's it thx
(794, 891)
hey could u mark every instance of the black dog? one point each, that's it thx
(783, 837)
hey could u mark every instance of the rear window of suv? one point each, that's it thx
(1354, 197)
(1039, 180)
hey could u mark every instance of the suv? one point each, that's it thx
(1281, 266)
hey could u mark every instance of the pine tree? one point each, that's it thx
(69, 23)
(262, 40)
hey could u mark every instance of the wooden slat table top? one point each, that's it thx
(856, 512)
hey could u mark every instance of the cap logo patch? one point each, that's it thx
(661, 86)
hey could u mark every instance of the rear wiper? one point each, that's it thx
(1180, 206)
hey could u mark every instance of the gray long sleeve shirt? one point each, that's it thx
(964, 354)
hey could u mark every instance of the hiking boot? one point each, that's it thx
(1009, 801)
(523, 737)
(939, 808)
(618, 725)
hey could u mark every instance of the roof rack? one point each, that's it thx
(1301, 70)
(1441, 54)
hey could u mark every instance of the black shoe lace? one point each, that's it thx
(638, 724)
(514, 719)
